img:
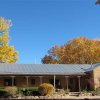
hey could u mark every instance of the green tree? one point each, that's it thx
(77, 51)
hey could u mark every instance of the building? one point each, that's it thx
(75, 77)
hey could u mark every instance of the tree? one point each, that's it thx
(7, 53)
(98, 2)
(48, 60)
(77, 51)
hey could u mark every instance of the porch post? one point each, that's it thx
(54, 83)
(79, 84)
(27, 78)
(67, 81)
(12, 82)
(40, 79)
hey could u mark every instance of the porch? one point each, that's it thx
(75, 83)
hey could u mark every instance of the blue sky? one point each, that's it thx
(38, 25)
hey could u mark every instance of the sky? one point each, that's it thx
(38, 25)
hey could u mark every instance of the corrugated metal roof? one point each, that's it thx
(44, 69)
(93, 66)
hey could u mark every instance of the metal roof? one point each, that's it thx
(93, 66)
(43, 69)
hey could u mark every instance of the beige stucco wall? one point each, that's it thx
(96, 76)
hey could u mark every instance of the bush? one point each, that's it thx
(97, 91)
(30, 91)
(61, 91)
(11, 90)
(2, 93)
(34, 91)
(46, 88)
(67, 91)
(2, 88)
(25, 92)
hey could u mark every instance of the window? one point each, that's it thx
(57, 83)
(32, 81)
(8, 82)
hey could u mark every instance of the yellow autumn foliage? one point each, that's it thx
(77, 51)
(7, 53)
(46, 88)
(4, 24)
(0, 38)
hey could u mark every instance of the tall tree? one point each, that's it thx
(7, 53)
(77, 51)
(98, 2)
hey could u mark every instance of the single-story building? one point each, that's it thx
(75, 77)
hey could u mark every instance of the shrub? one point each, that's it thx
(67, 91)
(61, 91)
(97, 91)
(93, 93)
(2, 88)
(2, 93)
(28, 91)
(46, 88)
(34, 91)
(11, 90)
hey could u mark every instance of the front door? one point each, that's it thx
(73, 84)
